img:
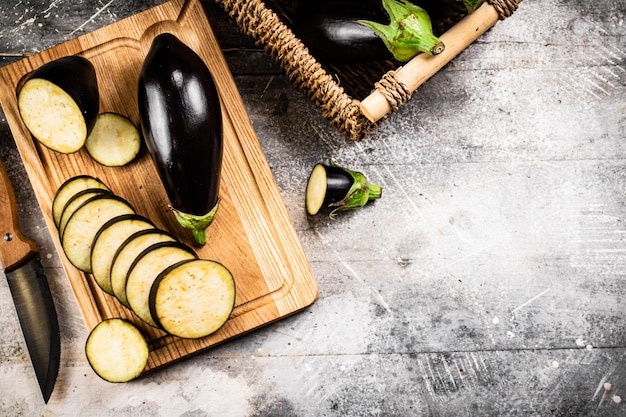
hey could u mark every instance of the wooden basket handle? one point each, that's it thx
(423, 66)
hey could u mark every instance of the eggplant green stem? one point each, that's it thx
(409, 31)
(197, 224)
(359, 194)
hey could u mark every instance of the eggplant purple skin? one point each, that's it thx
(77, 77)
(331, 31)
(338, 184)
(181, 123)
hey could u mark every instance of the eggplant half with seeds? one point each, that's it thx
(59, 103)
(332, 188)
(181, 122)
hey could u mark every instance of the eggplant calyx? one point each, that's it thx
(361, 192)
(196, 223)
(409, 31)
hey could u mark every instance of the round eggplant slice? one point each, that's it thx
(192, 299)
(59, 103)
(75, 202)
(82, 227)
(126, 254)
(116, 350)
(114, 140)
(146, 268)
(108, 239)
(69, 189)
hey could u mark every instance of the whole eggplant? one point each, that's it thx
(332, 32)
(181, 122)
(349, 31)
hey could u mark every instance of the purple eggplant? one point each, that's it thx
(331, 188)
(348, 31)
(181, 122)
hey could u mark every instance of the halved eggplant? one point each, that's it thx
(108, 239)
(126, 254)
(70, 188)
(146, 268)
(116, 350)
(192, 299)
(82, 227)
(114, 140)
(75, 202)
(332, 188)
(181, 122)
(59, 103)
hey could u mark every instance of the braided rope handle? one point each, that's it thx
(300, 67)
(505, 8)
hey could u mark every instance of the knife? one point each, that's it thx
(30, 291)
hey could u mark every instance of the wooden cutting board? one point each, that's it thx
(252, 235)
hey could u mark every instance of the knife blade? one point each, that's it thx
(30, 291)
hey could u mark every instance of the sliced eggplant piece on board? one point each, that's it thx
(126, 254)
(70, 188)
(146, 268)
(114, 140)
(181, 121)
(116, 350)
(108, 239)
(59, 103)
(82, 227)
(75, 202)
(192, 299)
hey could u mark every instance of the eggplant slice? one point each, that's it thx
(83, 225)
(146, 268)
(192, 299)
(69, 189)
(126, 255)
(74, 204)
(116, 350)
(110, 236)
(114, 140)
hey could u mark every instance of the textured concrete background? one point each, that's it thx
(488, 281)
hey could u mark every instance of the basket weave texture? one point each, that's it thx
(336, 90)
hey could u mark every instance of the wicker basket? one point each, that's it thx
(355, 98)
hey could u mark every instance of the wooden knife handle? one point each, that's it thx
(15, 248)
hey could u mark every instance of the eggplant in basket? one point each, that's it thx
(348, 31)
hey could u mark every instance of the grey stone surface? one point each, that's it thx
(488, 281)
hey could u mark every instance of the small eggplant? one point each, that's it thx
(332, 188)
(59, 103)
(181, 121)
(349, 31)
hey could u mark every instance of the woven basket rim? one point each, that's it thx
(255, 19)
